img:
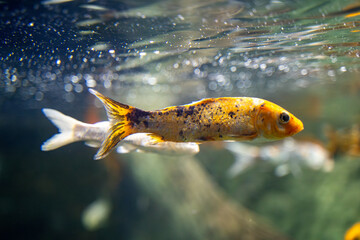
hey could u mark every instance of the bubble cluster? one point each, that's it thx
(197, 51)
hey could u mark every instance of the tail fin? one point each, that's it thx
(119, 123)
(245, 156)
(66, 126)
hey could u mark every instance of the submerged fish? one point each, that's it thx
(212, 119)
(353, 233)
(289, 156)
(72, 130)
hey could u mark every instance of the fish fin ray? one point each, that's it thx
(155, 138)
(116, 133)
(114, 110)
(120, 126)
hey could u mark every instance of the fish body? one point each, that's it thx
(211, 119)
(207, 120)
(353, 233)
(289, 156)
(72, 130)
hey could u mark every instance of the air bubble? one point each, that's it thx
(13, 78)
(263, 66)
(68, 87)
(39, 96)
(212, 86)
(107, 83)
(78, 88)
(91, 83)
(69, 97)
(304, 72)
(74, 79)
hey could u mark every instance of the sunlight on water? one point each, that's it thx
(204, 48)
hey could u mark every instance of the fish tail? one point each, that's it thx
(120, 126)
(66, 126)
(245, 156)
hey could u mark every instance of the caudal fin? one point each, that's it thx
(65, 124)
(119, 123)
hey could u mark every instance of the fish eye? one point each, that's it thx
(284, 118)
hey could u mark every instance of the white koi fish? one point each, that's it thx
(72, 130)
(289, 156)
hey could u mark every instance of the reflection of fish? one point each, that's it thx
(72, 130)
(353, 233)
(289, 156)
(211, 119)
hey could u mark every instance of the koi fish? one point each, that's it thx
(72, 130)
(211, 119)
(353, 233)
(289, 156)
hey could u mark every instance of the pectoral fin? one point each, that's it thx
(154, 138)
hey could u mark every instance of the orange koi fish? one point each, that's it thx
(353, 233)
(211, 119)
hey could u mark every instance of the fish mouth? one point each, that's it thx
(297, 128)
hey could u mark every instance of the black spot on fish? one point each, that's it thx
(146, 123)
(189, 111)
(203, 105)
(137, 115)
(179, 111)
(231, 114)
(185, 111)
(262, 105)
(181, 134)
(220, 136)
(207, 125)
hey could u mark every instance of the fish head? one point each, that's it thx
(274, 122)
